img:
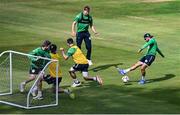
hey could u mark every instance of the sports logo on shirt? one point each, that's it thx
(33, 70)
(146, 60)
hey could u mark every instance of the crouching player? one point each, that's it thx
(146, 60)
(51, 77)
(81, 64)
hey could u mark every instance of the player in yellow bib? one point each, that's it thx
(51, 77)
(81, 63)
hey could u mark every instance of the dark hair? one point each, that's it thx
(70, 41)
(53, 48)
(46, 43)
(87, 8)
(147, 35)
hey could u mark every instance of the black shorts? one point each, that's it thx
(148, 59)
(81, 67)
(51, 80)
(34, 70)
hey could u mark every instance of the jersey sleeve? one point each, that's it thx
(159, 51)
(34, 52)
(48, 55)
(147, 44)
(77, 18)
(70, 52)
(91, 21)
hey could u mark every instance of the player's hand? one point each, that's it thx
(96, 34)
(73, 34)
(61, 49)
(139, 51)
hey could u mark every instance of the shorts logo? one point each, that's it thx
(146, 60)
(33, 70)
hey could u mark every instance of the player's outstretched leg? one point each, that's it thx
(125, 71)
(23, 84)
(88, 78)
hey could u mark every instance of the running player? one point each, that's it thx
(81, 63)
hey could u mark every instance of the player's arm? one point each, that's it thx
(47, 55)
(73, 26)
(145, 45)
(69, 53)
(34, 52)
(93, 27)
(63, 53)
(159, 51)
(73, 32)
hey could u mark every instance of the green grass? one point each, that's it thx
(24, 24)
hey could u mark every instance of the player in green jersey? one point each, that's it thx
(146, 60)
(37, 64)
(83, 21)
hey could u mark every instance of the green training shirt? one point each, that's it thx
(40, 63)
(83, 22)
(152, 47)
(70, 52)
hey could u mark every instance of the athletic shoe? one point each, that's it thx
(99, 80)
(22, 86)
(90, 62)
(38, 97)
(76, 84)
(142, 82)
(122, 72)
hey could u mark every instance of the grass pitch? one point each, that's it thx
(24, 24)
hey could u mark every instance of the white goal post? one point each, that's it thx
(14, 68)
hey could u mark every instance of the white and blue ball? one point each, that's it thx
(125, 79)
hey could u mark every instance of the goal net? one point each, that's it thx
(14, 69)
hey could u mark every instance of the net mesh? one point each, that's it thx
(4, 74)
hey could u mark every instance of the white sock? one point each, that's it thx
(143, 77)
(39, 93)
(94, 78)
(127, 70)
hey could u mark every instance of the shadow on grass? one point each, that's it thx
(165, 77)
(103, 67)
(93, 98)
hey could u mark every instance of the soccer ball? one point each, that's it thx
(125, 79)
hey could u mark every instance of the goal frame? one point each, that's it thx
(11, 52)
